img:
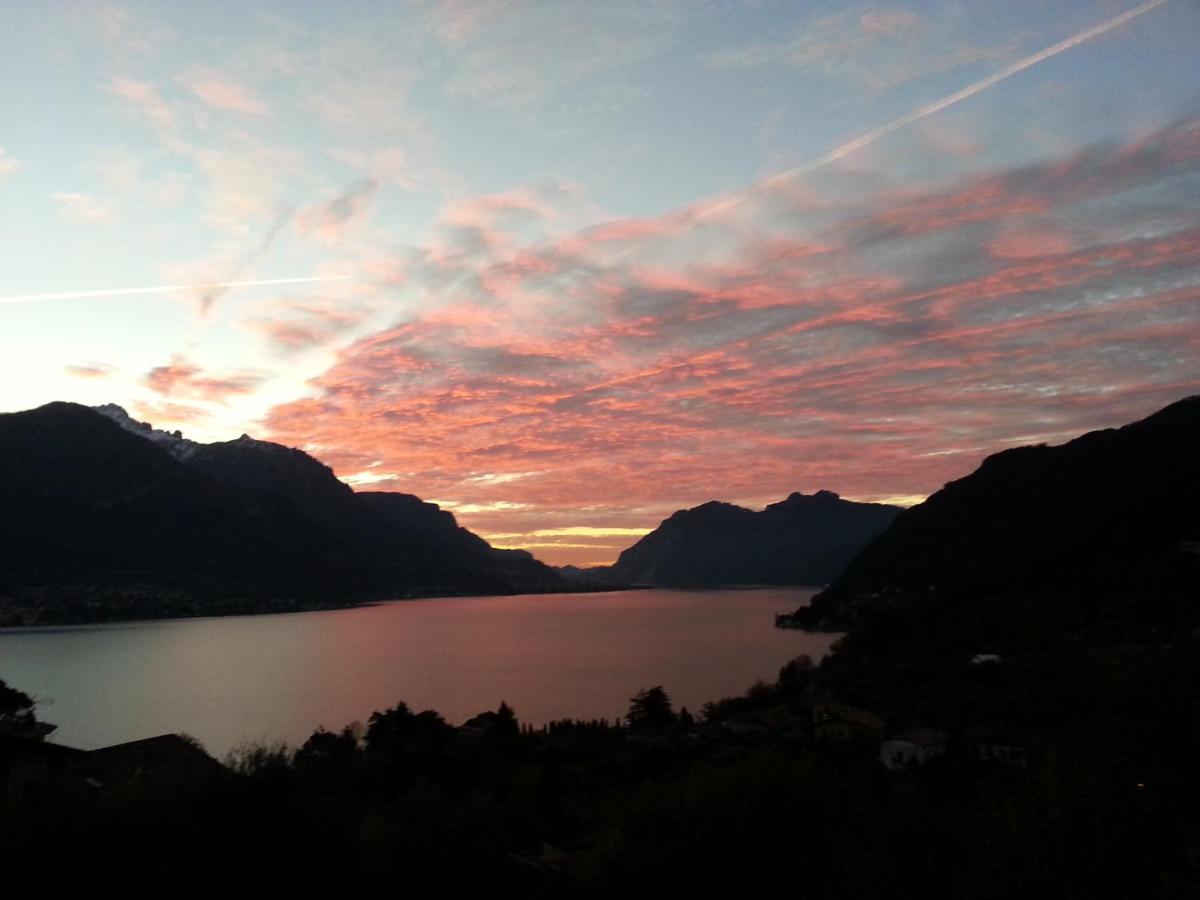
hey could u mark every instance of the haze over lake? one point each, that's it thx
(279, 677)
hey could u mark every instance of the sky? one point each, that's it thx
(564, 268)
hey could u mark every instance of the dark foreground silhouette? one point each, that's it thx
(1014, 713)
(1092, 794)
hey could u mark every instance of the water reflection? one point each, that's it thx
(278, 677)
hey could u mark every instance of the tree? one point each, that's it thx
(328, 756)
(650, 709)
(16, 709)
(796, 676)
(506, 720)
(389, 727)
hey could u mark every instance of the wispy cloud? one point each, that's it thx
(89, 371)
(217, 92)
(182, 378)
(297, 324)
(81, 208)
(8, 165)
(201, 288)
(327, 221)
(145, 99)
(532, 50)
(870, 47)
(657, 375)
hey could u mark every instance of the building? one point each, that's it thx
(912, 748)
(28, 762)
(29, 765)
(835, 723)
(995, 743)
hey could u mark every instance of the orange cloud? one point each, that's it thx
(181, 378)
(89, 371)
(294, 325)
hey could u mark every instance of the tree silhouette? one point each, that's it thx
(650, 709)
(16, 709)
(506, 720)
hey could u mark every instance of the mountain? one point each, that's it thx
(415, 545)
(805, 539)
(172, 441)
(309, 484)
(97, 522)
(449, 555)
(103, 517)
(1107, 525)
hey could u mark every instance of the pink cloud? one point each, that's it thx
(145, 99)
(164, 413)
(219, 93)
(8, 165)
(91, 371)
(876, 49)
(296, 325)
(662, 372)
(1025, 244)
(181, 378)
(328, 221)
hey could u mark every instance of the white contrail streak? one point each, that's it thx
(722, 205)
(165, 288)
(936, 106)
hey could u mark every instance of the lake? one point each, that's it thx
(272, 678)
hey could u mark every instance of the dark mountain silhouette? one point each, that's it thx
(309, 484)
(1108, 525)
(408, 537)
(805, 539)
(444, 552)
(102, 517)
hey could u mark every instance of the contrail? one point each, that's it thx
(930, 108)
(208, 287)
(282, 217)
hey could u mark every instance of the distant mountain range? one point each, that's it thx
(1100, 533)
(803, 540)
(103, 517)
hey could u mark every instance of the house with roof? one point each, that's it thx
(995, 744)
(837, 723)
(912, 748)
(28, 764)
(164, 756)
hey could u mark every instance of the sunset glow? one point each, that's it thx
(566, 268)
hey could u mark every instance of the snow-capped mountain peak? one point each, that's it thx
(172, 441)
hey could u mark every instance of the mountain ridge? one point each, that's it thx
(103, 517)
(800, 540)
(1106, 505)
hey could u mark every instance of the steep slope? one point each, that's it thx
(1110, 519)
(407, 544)
(104, 517)
(94, 516)
(306, 482)
(805, 539)
(447, 556)
(172, 441)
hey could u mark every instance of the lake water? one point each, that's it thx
(231, 680)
